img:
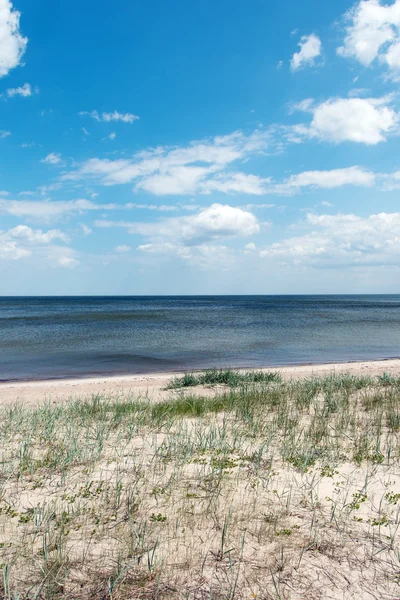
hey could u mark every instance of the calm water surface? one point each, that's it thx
(82, 336)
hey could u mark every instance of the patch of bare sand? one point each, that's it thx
(153, 385)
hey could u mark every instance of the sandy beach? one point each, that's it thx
(152, 385)
(284, 487)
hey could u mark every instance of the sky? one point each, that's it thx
(206, 147)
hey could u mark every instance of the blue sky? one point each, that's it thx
(179, 148)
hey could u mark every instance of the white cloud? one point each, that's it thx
(236, 183)
(68, 262)
(113, 116)
(112, 135)
(49, 210)
(363, 120)
(123, 248)
(22, 242)
(30, 145)
(204, 256)
(152, 207)
(52, 159)
(24, 91)
(257, 206)
(251, 247)
(181, 170)
(12, 42)
(4, 134)
(9, 250)
(213, 223)
(332, 179)
(343, 240)
(373, 32)
(85, 229)
(29, 236)
(176, 181)
(310, 49)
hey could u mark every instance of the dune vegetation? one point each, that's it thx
(235, 486)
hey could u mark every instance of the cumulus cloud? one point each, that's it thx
(343, 240)
(213, 223)
(361, 120)
(112, 116)
(52, 159)
(12, 42)
(4, 134)
(22, 242)
(31, 236)
(195, 240)
(310, 49)
(373, 33)
(9, 250)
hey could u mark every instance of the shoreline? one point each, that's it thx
(89, 377)
(152, 384)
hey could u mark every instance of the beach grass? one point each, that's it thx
(229, 377)
(257, 488)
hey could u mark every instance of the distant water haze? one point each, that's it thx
(45, 338)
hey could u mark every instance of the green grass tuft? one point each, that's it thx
(223, 377)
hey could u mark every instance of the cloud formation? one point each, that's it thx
(25, 91)
(52, 159)
(342, 240)
(361, 120)
(213, 223)
(310, 49)
(179, 170)
(112, 116)
(12, 42)
(373, 33)
(51, 210)
(332, 179)
(22, 242)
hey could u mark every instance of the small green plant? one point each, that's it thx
(386, 380)
(287, 531)
(358, 499)
(158, 518)
(224, 462)
(392, 498)
(379, 522)
(328, 471)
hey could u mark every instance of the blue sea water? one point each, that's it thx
(44, 338)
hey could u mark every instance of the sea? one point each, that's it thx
(68, 337)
